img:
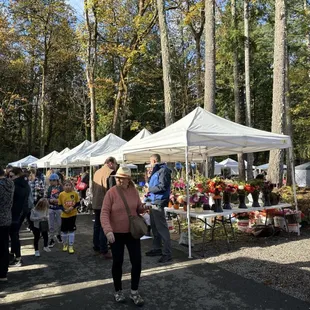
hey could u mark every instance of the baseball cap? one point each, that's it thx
(54, 177)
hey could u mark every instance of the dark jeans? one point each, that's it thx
(37, 233)
(160, 231)
(134, 250)
(27, 216)
(4, 250)
(15, 243)
(99, 239)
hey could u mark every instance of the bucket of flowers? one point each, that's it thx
(199, 193)
(216, 187)
(178, 194)
(254, 187)
(244, 220)
(228, 191)
(243, 189)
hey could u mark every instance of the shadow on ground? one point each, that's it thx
(58, 280)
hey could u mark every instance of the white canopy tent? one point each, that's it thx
(24, 162)
(302, 175)
(233, 165)
(64, 159)
(204, 134)
(265, 167)
(107, 144)
(118, 153)
(64, 151)
(200, 134)
(42, 162)
(57, 157)
(217, 168)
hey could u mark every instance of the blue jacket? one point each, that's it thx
(159, 185)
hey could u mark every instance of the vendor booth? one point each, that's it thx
(200, 134)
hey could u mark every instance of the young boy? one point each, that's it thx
(68, 201)
(54, 211)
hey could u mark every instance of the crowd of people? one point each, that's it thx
(49, 205)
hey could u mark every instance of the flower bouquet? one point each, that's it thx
(178, 193)
(216, 187)
(229, 190)
(254, 188)
(242, 191)
(198, 200)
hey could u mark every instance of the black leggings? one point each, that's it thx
(134, 250)
(4, 250)
(37, 233)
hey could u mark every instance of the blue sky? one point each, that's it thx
(77, 5)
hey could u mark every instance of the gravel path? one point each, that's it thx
(279, 262)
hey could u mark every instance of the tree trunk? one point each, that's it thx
(288, 124)
(198, 69)
(275, 170)
(209, 97)
(247, 83)
(42, 107)
(169, 109)
(241, 166)
(91, 64)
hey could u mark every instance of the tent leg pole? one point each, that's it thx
(188, 206)
(291, 159)
(90, 177)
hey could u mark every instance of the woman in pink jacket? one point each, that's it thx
(115, 223)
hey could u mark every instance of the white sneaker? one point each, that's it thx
(47, 249)
(37, 253)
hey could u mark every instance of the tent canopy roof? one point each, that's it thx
(24, 162)
(265, 167)
(63, 160)
(41, 163)
(305, 166)
(109, 143)
(205, 134)
(118, 153)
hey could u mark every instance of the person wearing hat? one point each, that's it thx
(103, 181)
(115, 222)
(54, 212)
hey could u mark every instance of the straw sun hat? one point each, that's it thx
(123, 172)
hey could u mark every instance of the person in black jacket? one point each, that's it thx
(6, 201)
(20, 206)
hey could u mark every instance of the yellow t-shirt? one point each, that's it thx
(68, 200)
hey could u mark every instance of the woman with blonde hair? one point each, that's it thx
(115, 223)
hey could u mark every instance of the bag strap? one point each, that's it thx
(120, 192)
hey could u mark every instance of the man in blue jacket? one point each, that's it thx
(159, 192)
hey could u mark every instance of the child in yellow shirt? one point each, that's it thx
(68, 201)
